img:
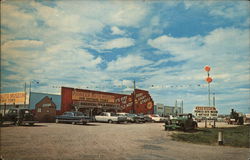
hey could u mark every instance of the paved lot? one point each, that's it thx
(101, 141)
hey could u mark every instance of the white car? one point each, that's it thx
(110, 118)
(157, 118)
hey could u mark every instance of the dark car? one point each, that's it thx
(136, 118)
(19, 117)
(148, 118)
(73, 117)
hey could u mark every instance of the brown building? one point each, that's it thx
(93, 102)
(45, 110)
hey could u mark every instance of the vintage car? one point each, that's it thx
(147, 117)
(156, 118)
(182, 121)
(110, 117)
(137, 118)
(19, 117)
(73, 117)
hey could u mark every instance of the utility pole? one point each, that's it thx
(25, 94)
(29, 95)
(182, 106)
(134, 99)
(214, 99)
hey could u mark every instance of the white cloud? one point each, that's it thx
(21, 44)
(118, 43)
(112, 44)
(181, 47)
(125, 63)
(116, 31)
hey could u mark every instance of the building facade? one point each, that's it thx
(203, 112)
(162, 110)
(45, 110)
(93, 102)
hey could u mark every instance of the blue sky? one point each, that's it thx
(105, 45)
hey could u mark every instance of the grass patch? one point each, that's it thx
(235, 136)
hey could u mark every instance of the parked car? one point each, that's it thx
(182, 121)
(129, 119)
(110, 118)
(135, 118)
(157, 118)
(148, 118)
(19, 117)
(73, 117)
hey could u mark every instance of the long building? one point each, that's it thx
(93, 102)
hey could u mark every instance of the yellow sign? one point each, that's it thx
(88, 96)
(10, 98)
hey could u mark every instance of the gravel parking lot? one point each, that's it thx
(102, 141)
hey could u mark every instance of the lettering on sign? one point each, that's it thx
(88, 96)
(10, 98)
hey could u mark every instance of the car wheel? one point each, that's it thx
(18, 123)
(110, 121)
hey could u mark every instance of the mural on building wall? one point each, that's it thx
(103, 100)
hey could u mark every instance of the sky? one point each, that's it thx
(106, 45)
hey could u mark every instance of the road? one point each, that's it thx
(102, 141)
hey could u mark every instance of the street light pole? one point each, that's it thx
(209, 80)
(208, 91)
(30, 90)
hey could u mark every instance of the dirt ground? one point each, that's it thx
(102, 141)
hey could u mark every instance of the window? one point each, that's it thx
(39, 110)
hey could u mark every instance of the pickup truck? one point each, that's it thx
(110, 118)
(73, 117)
(19, 117)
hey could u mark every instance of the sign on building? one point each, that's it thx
(10, 98)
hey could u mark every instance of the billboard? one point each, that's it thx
(10, 98)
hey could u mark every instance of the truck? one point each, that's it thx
(110, 117)
(19, 117)
(73, 117)
(183, 122)
(235, 118)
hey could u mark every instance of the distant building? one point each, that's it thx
(167, 110)
(93, 102)
(45, 110)
(37, 97)
(203, 112)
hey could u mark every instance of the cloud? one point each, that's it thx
(21, 44)
(116, 31)
(184, 47)
(125, 63)
(113, 44)
(229, 10)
